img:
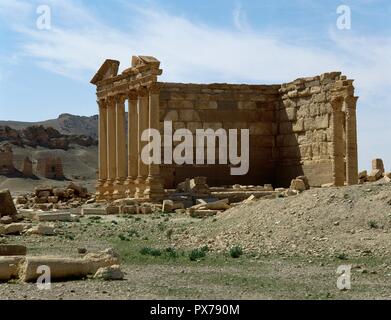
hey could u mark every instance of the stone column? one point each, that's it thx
(100, 190)
(111, 148)
(142, 168)
(154, 187)
(351, 141)
(121, 172)
(132, 145)
(338, 143)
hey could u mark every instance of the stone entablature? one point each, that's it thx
(306, 127)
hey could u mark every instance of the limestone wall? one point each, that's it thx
(305, 138)
(6, 161)
(202, 106)
(291, 127)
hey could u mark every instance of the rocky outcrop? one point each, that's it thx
(47, 137)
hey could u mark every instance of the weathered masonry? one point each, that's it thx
(306, 127)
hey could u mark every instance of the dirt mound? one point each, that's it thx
(342, 222)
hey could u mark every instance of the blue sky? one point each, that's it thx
(46, 72)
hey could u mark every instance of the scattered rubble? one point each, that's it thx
(110, 273)
(49, 198)
(42, 230)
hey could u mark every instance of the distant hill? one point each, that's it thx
(67, 124)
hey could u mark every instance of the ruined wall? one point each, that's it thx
(6, 160)
(291, 128)
(305, 138)
(202, 106)
(50, 167)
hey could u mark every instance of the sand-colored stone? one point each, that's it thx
(12, 250)
(306, 127)
(7, 207)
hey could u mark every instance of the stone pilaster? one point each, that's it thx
(142, 168)
(154, 188)
(338, 164)
(100, 190)
(132, 145)
(121, 168)
(351, 141)
(111, 148)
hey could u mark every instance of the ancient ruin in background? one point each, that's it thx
(306, 127)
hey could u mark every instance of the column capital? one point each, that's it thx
(120, 98)
(132, 95)
(351, 102)
(102, 103)
(142, 92)
(154, 88)
(110, 101)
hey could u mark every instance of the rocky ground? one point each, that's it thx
(281, 248)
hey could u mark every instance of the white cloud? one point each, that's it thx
(240, 18)
(195, 52)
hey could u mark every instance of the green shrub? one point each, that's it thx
(197, 254)
(169, 233)
(123, 237)
(151, 252)
(373, 224)
(342, 256)
(236, 252)
(171, 253)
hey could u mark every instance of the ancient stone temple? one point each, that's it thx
(305, 127)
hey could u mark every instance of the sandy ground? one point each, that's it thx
(292, 249)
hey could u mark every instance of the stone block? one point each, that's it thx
(298, 126)
(168, 206)
(94, 211)
(109, 273)
(298, 184)
(171, 115)
(42, 230)
(375, 175)
(188, 115)
(132, 209)
(9, 267)
(14, 228)
(362, 174)
(112, 210)
(7, 207)
(247, 105)
(202, 213)
(51, 217)
(377, 164)
(12, 250)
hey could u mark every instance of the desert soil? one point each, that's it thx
(292, 249)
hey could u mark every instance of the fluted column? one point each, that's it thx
(142, 168)
(154, 187)
(338, 143)
(132, 144)
(102, 149)
(351, 141)
(121, 170)
(111, 148)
